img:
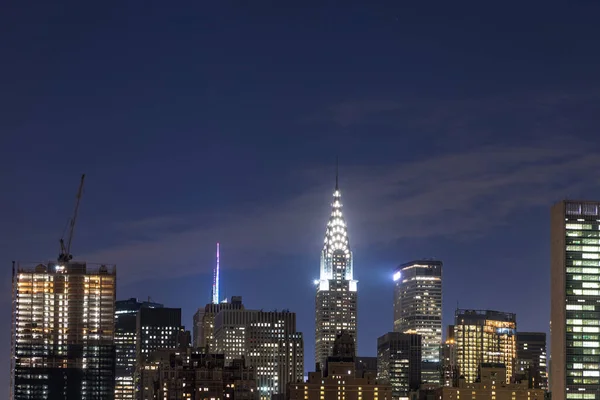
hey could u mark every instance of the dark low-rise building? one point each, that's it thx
(365, 365)
(339, 379)
(194, 375)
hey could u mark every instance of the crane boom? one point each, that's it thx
(65, 250)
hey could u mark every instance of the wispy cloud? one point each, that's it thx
(458, 193)
(530, 113)
(350, 112)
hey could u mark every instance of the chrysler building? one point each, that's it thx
(336, 296)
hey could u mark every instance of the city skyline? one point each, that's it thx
(457, 128)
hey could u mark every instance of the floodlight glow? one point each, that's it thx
(316, 281)
(353, 286)
(397, 276)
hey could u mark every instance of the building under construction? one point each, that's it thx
(63, 331)
(63, 327)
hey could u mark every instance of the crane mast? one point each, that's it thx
(65, 249)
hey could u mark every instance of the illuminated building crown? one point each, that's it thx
(336, 235)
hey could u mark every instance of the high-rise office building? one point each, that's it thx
(575, 300)
(484, 336)
(156, 329)
(418, 308)
(204, 322)
(531, 358)
(125, 343)
(268, 341)
(63, 331)
(336, 297)
(399, 362)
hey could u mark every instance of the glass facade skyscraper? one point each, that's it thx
(336, 297)
(575, 300)
(418, 309)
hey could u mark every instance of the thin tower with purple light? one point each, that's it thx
(215, 288)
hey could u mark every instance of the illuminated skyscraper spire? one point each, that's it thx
(336, 238)
(215, 288)
(337, 172)
(336, 297)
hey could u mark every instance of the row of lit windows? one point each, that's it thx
(576, 240)
(571, 226)
(583, 329)
(583, 292)
(592, 344)
(584, 278)
(582, 248)
(589, 396)
(588, 266)
(583, 322)
(590, 366)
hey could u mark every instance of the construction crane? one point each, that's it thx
(65, 249)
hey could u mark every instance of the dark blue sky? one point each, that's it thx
(457, 126)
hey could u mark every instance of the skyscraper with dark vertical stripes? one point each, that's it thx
(575, 300)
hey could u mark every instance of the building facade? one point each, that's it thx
(156, 329)
(125, 345)
(268, 341)
(399, 362)
(63, 331)
(575, 300)
(491, 386)
(336, 296)
(449, 366)
(418, 308)
(484, 336)
(531, 358)
(365, 365)
(339, 379)
(193, 375)
(204, 322)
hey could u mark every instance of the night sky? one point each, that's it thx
(456, 126)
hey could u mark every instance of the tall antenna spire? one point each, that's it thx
(215, 288)
(337, 170)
